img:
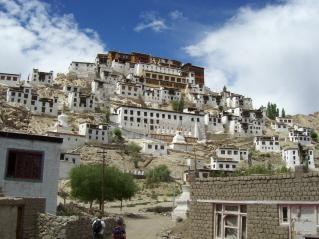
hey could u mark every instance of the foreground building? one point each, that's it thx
(29, 166)
(263, 207)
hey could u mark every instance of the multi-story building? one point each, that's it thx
(214, 123)
(299, 136)
(78, 102)
(285, 120)
(82, 69)
(154, 121)
(227, 158)
(40, 78)
(95, 133)
(9, 79)
(70, 88)
(71, 140)
(291, 156)
(160, 95)
(280, 127)
(129, 90)
(154, 70)
(201, 100)
(267, 144)
(25, 96)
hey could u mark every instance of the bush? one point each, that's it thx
(314, 136)
(160, 173)
(116, 135)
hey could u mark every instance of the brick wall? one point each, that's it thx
(262, 220)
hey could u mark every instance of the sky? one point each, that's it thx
(263, 49)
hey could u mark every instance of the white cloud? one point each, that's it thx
(176, 15)
(270, 54)
(31, 36)
(151, 21)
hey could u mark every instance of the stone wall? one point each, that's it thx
(22, 217)
(262, 219)
(51, 227)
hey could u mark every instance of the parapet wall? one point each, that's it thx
(261, 194)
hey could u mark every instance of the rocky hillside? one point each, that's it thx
(311, 120)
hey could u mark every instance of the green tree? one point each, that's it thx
(178, 105)
(272, 111)
(133, 151)
(107, 116)
(224, 88)
(283, 113)
(117, 135)
(126, 188)
(86, 183)
(158, 174)
(314, 136)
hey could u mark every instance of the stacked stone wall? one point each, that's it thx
(63, 227)
(262, 218)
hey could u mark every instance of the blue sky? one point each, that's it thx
(115, 21)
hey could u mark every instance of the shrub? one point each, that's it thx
(160, 173)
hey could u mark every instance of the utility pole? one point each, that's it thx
(195, 163)
(104, 153)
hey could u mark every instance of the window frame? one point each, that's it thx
(42, 161)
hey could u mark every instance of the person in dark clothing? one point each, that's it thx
(98, 227)
(118, 232)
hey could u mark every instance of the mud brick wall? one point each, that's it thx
(262, 219)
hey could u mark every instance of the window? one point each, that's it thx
(230, 221)
(24, 164)
(222, 152)
(149, 146)
(284, 214)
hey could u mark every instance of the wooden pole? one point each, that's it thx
(103, 180)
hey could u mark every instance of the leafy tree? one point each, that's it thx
(107, 116)
(314, 136)
(178, 105)
(224, 88)
(160, 173)
(117, 135)
(272, 111)
(127, 187)
(283, 113)
(133, 150)
(86, 184)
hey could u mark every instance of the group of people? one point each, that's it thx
(98, 227)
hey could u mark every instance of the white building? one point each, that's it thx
(267, 144)
(70, 88)
(9, 79)
(29, 166)
(233, 153)
(95, 133)
(140, 68)
(201, 100)
(299, 136)
(129, 90)
(285, 120)
(214, 123)
(67, 162)
(27, 97)
(82, 69)
(280, 127)
(40, 78)
(246, 103)
(291, 156)
(161, 95)
(78, 102)
(228, 158)
(153, 147)
(71, 141)
(154, 121)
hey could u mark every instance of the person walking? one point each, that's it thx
(98, 227)
(118, 232)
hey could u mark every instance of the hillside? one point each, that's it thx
(311, 120)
